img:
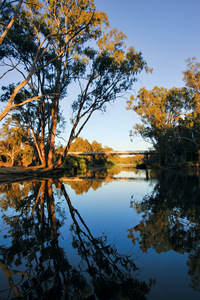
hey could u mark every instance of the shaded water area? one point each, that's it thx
(132, 235)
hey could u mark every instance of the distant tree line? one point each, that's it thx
(82, 163)
(15, 150)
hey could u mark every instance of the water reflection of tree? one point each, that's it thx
(11, 194)
(37, 267)
(171, 220)
(95, 177)
(83, 186)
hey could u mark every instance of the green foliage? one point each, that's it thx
(14, 144)
(77, 164)
(83, 163)
(170, 119)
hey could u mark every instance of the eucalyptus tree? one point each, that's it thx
(41, 47)
(170, 118)
(53, 44)
(111, 71)
(161, 112)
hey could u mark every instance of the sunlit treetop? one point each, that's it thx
(192, 80)
(192, 74)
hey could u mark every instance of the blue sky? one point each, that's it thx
(167, 33)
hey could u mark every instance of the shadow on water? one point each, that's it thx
(34, 263)
(171, 219)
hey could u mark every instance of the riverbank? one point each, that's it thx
(10, 174)
(18, 173)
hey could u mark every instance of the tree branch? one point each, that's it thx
(11, 22)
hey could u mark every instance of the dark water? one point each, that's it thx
(134, 236)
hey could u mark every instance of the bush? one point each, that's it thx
(76, 163)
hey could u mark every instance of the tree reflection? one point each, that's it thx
(83, 186)
(37, 267)
(171, 220)
(92, 179)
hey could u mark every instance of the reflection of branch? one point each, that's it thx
(8, 273)
(41, 190)
(170, 221)
(45, 190)
(51, 210)
(72, 212)
(103, 250)
(111, 272)
(108, 273)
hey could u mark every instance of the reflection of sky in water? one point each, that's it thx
(136, 174)
(108, 210)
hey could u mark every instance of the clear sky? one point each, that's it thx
(167, 32)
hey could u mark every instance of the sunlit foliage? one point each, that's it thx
(169, 119)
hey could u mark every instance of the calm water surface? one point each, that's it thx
(132, 235)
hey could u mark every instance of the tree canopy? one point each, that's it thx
(169, 118)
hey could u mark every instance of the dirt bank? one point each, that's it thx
(8, 174)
